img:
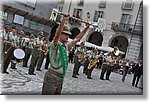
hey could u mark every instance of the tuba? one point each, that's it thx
(115, 51)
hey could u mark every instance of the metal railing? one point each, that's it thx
(126, 27)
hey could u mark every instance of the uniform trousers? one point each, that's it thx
(28, 52)
(85, 66)
(40, 61)
(34, 60)
(52, 84)
(47, 61)
(7, 57)
(76, 66)
(104, 69)
(89, 72)
(108, 73)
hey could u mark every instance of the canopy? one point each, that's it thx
(102, 48)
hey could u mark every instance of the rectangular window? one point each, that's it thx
(102, 4)
(98, 14)
(18, 19)
(127, 5)
(80, 2)
(124, 22)
(60, 8)
(77, 13)
(125, 18)
(30, 3)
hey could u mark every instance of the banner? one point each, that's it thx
(54, 14)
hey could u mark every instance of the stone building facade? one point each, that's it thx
(124, 23)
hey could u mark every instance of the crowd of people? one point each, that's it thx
(107, 62)
(58, 54)
(36, 47)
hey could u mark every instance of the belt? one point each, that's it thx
(56, 73)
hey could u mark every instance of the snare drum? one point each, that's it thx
(19, 54)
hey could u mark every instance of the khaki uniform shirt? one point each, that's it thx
(38, 42)
(56, 66)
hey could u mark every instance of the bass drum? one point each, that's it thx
(19, 54)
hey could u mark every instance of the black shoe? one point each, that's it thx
(31, 73)
(102, 78)
(108, 79)
(24, 66)
(89, 78)
(38, 69)
(123, 80)
(13, 68)
(132, 84)
(5, 72)
(141, 87)
(136, 86)
(74, 76)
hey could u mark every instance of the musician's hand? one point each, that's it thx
(16, 46)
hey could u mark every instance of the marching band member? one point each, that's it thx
(53, 78)
(93, 59)
(111, 62)
(3, 40)
(107, 66)
(79, 57)
(43, 53)
(35, 53)
(87, 55)
(104, 67)
(9, 46)
(18, 45)
(28, 43)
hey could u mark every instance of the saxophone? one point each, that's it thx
(93, 63)
(81, 57)
(45, 49)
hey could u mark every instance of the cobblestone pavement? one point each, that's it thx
(19, 82)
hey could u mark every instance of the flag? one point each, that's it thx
(54, 14)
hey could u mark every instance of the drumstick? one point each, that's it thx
(8, 49)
